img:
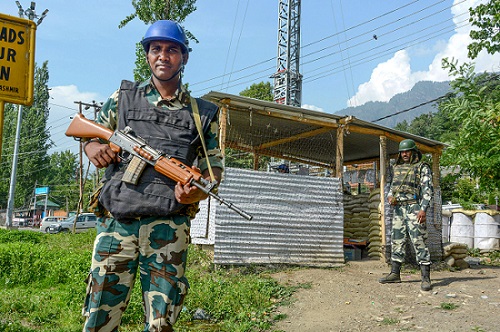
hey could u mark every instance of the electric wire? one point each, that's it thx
(239, 80)
(397, 20)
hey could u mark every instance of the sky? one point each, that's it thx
(351, 51)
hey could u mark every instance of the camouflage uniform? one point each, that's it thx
(157, 246)
(412, 188)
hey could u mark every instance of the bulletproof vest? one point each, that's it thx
(406, 181)
(172, 132)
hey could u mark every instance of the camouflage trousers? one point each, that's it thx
(157, 247)
(405, 226)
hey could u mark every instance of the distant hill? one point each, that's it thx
(422, 92)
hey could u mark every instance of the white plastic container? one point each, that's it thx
(445, 230)
(462, 229)
(487, 231)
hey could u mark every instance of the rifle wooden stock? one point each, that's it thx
(84, 128)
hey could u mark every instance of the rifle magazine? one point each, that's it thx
(134, 170)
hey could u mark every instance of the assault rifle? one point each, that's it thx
(125, 140)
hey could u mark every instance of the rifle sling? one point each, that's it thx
(197, 121)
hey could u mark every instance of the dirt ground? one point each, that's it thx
(350, 298)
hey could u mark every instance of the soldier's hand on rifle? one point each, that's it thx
(188, 194)
(100, 154)
(421, 217)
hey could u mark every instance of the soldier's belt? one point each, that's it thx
(406, 202)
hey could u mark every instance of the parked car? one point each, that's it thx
(84, 222)
(20, 222)
(47, 221)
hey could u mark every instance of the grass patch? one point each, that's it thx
(42, 288)
(390, 321)
(448, 306)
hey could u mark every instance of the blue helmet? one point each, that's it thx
(166, 30)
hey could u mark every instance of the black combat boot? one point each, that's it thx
(394, 276)
(426, 277)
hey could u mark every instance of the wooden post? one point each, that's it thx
(436, 180)
(222, 129)
(255, 161)
(339, 159)
(383, 167)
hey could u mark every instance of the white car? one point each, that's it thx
(84, 222)
(47, 221)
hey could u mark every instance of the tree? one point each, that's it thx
(487, 18)
(63, 178)
(476, 108)
(150, 11)
(437, 126)
(261, 91)
(33, 146)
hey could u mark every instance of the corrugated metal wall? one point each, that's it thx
(297, 219)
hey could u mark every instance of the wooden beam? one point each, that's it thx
(393, 137)
(287, 115)
(306, 134)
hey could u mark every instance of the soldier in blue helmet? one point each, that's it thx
(144, 225)
(410, 194)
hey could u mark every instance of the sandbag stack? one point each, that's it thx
(375, 228)
(356, 216)
(454, 254)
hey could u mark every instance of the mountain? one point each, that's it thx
(421, 93)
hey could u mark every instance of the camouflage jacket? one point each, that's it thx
(412, 183)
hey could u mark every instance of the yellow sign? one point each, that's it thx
(17, 59)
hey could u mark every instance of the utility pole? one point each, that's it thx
(287, 79)
(80, 174)
(31, 15)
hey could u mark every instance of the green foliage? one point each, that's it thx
(486, 17)
(150, 11)
(42, 288)
(33, 144)
(62, 179)
(141, 70)
(261, 91)
(466, 193)
(241, 159)
(476, 108)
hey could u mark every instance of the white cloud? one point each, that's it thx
(312, 108)
(395, 75)
(62, 108)
(387, 79)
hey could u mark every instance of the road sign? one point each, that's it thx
(17, 59)
(42, 191)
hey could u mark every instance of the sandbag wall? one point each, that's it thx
(356, 216)
(362, 220)
(375, 249)
(454, 254)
